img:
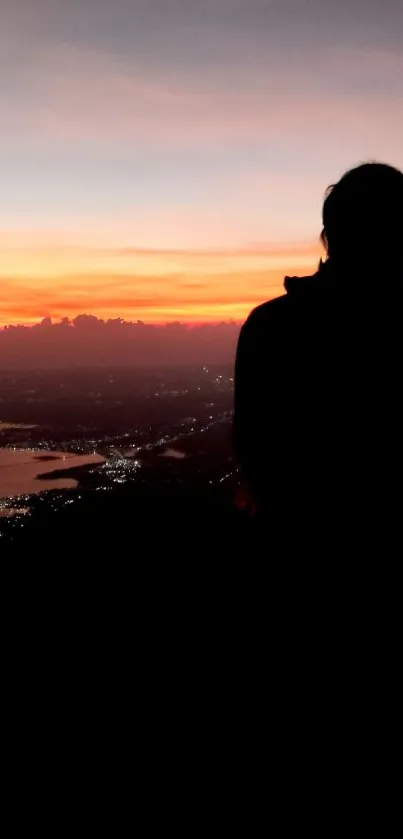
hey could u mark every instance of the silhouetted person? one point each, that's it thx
(318, 418)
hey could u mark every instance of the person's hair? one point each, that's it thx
(363, 216)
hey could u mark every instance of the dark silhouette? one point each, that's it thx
(317, 426)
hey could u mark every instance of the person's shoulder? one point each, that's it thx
(299, 290)
(266, 314)
(269, 309)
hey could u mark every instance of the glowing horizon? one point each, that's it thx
(154, 286)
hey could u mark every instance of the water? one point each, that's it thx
(19, 470)
(173, 453)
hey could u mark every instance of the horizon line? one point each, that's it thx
(47, 321)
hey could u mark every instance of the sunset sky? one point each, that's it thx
(167, 159)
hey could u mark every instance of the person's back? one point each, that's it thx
(317, 402)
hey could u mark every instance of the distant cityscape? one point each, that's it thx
(77, 434)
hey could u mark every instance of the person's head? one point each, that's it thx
(363, 217)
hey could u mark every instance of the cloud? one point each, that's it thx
(77, 96)
(90, 341)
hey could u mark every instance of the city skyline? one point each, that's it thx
(167, 161)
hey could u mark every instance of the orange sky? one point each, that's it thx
(157, 286)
